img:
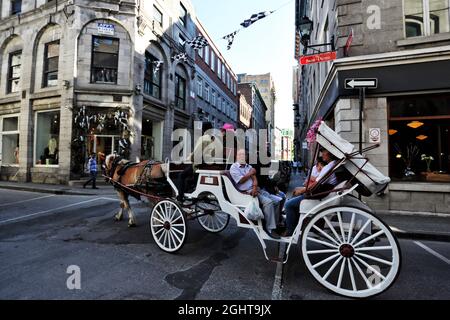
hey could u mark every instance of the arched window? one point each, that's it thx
(104, 57)
(11, 65)
(180, 91)
(153, 76)
(181, 84)
(46, 57)
(14, 72)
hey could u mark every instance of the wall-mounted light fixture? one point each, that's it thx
(66, 84)
(306, 27)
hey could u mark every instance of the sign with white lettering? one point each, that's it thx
(317, 58)
(106, 29)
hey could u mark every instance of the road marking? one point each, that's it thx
(277, 291)
(434, 253)
(55, 209)
(38, 198)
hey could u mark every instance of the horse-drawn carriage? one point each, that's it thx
(344, 245)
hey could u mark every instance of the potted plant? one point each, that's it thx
(428, 160)
(412, 151)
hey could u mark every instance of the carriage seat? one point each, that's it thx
(308, 204)
(236, 196)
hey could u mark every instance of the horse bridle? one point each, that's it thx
(114, 165)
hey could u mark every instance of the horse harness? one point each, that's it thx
(144, 178)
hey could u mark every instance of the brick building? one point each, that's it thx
(267, 89)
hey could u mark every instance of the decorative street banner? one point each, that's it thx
(230, 39)
(257, 16)
(198, 43)
(106, 29)
(348, 44)
(180, 57)
(317, 58)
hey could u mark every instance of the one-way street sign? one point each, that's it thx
(361, 83)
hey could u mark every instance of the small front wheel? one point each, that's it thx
(351, 252)
(210, 217)
(168, 226)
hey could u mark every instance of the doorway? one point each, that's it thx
(102, 144)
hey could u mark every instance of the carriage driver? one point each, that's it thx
(245, 177)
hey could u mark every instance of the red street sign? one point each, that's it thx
(317, 58)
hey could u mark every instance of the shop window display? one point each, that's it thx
(9, 140)
(47, 138)
(419, 138)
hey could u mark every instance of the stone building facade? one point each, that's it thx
(82, 76)
(267, 90)
(405, 45)
(253, 97)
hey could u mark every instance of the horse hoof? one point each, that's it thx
(132, 225)
(117, 219)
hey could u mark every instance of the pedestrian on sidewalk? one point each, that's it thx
(295, 167)
(92, 166)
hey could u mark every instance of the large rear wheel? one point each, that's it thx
(351, 252)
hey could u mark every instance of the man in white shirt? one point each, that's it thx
(245, 177)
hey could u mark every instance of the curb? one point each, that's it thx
(51, 191)
(422, 236)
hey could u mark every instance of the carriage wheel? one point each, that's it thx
(168, 226)
(212, 220)
(351, 252)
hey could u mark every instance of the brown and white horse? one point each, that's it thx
(132, 175)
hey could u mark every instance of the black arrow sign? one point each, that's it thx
(361, 83)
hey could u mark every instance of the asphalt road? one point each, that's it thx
(42, 235)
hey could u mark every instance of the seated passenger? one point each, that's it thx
(317, 169)
(245, 177)
(267, 184)
(292, 206)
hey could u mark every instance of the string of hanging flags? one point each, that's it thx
(230, 38)
(256, 17)
(200, 42)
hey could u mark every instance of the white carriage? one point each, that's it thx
(344, 245)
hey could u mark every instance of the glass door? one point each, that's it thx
(102, 146)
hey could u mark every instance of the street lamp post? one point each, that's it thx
(306, 27)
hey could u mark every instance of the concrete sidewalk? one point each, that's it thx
(409, 225)
(75, 189)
